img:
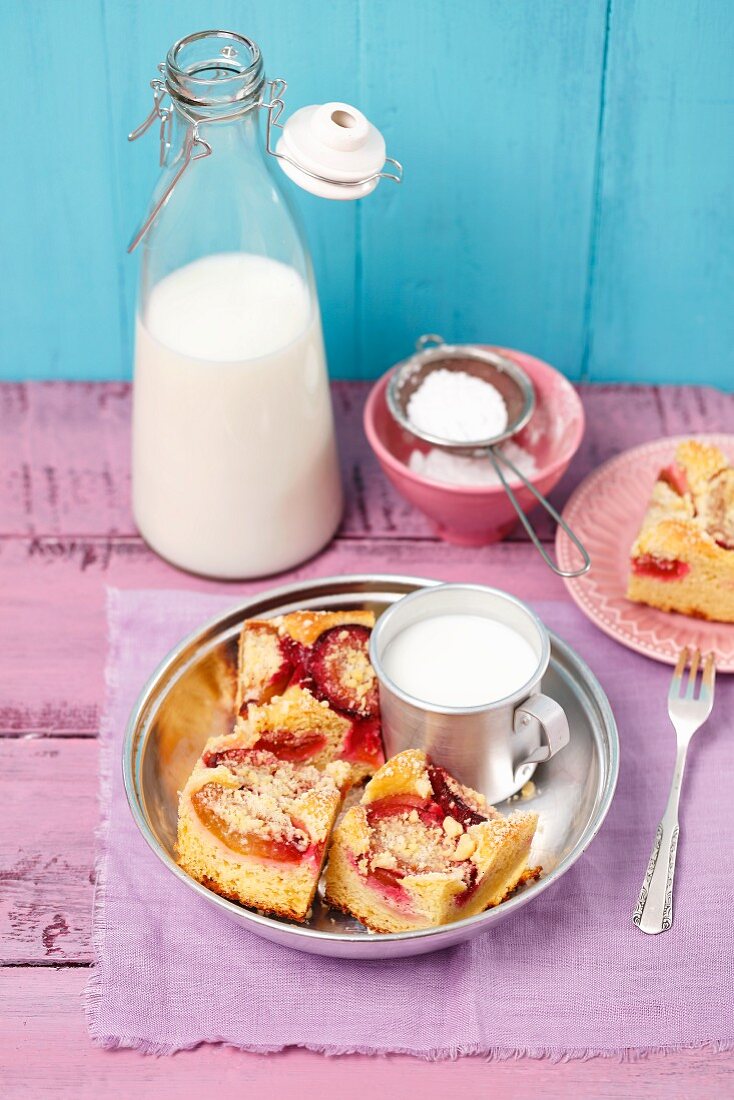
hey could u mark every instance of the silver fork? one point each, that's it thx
(688, 711)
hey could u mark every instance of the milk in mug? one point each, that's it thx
(235, 469)
(459, 660)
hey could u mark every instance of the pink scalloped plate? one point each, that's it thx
(606, 512)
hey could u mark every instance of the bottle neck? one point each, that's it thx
(238, 131)
(215, 74)
(215, 80)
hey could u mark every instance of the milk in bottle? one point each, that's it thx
(235, 470)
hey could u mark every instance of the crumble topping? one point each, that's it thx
(298, 711)
(718, 510)
(304, 627)
(423, 787)
(418, 846)
(386, 860)
(465, 848)
(528, 790)
(355, 671)
(452, 827)
(701, 463)
(666, 503)
(266, 802)
(697, 490)
(405, 843)
(265, 668)
(433, 838)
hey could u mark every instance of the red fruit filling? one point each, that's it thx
(228, 757)
(662, 569)
(289, 746)
(674, 476)
(363, 743)
(429, 812)
(471, 878)
(282, 851)
(432, 811)
(281, 743)
(388, 877)
(297, 656)
(342, 674)
(447, 795)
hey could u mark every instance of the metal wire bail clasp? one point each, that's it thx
(164, 114)
(195, 147)
(274, 107)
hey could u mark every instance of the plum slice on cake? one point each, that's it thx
(420, 850)
(683, 558)
(306, 690)
(255, 828)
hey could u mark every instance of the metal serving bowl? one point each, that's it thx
(190, 697)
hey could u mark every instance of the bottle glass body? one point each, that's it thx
(235, 469)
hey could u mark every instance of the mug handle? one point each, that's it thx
(539, 715)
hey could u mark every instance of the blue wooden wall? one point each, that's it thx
(568, 187)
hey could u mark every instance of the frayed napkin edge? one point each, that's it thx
(92, 995)
(494, 1054)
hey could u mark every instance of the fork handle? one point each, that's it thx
(654, 910)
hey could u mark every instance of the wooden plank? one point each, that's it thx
(53, 595)
(64, 458)
(65, 467)
(48, 790)
(661, 306)
(488, 238)
(46, 1052)
(65, 463)
(58, 219)
(619, 417)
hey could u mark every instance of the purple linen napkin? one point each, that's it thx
(568, 976)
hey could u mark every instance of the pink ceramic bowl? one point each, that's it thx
(476, 515)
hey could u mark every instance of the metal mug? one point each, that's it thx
(493, 748)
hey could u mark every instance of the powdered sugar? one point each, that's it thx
(461, 470)
(457, 406)
(462, 408)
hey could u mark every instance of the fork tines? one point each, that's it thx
(707, 679)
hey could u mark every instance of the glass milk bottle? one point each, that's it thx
(235, 470)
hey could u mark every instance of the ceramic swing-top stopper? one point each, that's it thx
(334, 140)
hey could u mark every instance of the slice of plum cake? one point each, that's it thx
(255, 828)
(683, 558)
(421, 850)
(306, 689)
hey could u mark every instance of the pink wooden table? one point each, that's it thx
(65, 533)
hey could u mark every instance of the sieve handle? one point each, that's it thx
(496, 457)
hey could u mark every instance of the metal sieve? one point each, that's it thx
(518, 393)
